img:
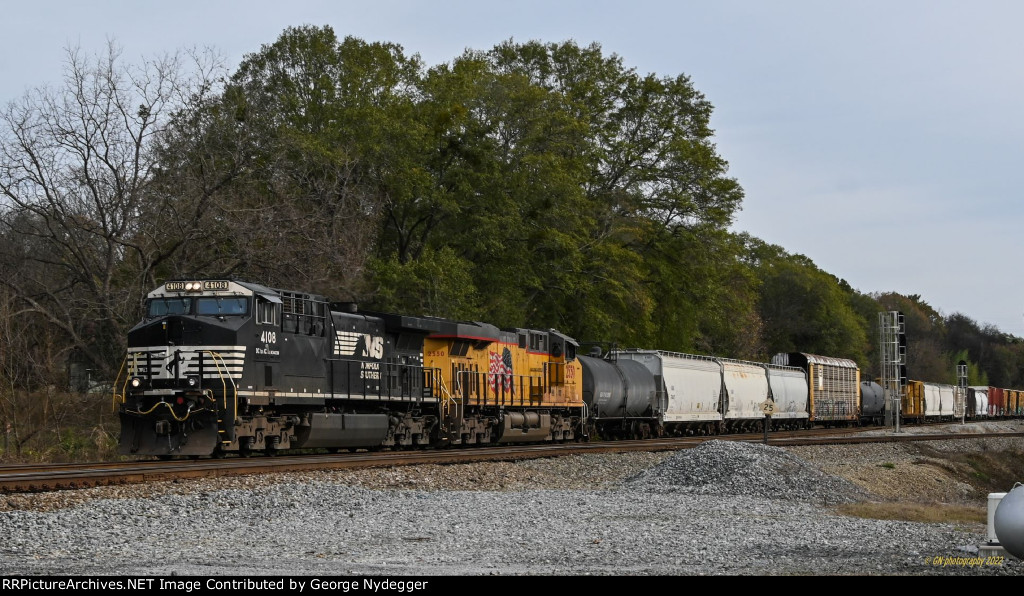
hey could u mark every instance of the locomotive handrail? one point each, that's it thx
(447, 401)
(501, 396)
(383, 386)
(218, 361)
(447, 398)
(128, 375)
(113, 403)
(460, 384)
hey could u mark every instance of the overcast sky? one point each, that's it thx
(881, 139)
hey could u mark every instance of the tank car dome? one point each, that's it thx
(872, 398)
(1009, 521)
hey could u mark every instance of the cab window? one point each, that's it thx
(266, 312)
(233, 305)
(159, 307)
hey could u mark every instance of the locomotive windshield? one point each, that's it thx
(159, 307)
(211, 306)
(221, 306)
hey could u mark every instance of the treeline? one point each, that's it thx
(532, 184)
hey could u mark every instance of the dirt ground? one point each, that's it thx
(956, 472)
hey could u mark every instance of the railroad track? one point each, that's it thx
(28, 478)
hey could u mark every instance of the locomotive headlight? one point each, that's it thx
(136, 382)
(192, 381)
(193, 286)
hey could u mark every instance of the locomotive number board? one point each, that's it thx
(195, 286)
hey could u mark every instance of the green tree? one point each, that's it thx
(705, 296)
(507, 185)
(805, 309)
(927, 356)
(975, 376)
(866, 309)
(639, 180)
(303, 155)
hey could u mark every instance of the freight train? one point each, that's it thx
(222, 366)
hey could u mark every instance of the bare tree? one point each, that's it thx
(79, 217)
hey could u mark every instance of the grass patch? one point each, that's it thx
(888, 465)
(980, 471)
(986, 471)
(916, 512)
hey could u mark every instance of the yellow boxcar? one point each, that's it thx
(913, 408)
(1013, 402)
(912, 402)
(506, 386)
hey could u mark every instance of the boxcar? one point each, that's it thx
(833, 386)
(996, 402)
(977, 402)
(914, 408)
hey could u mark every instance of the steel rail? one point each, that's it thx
(29, 478)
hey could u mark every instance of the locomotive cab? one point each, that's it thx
(185, 361)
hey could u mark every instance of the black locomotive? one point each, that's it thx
(220, 366)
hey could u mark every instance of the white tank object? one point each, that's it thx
(1009, 521)
(993, 504)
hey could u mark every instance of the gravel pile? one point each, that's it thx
(729, 468)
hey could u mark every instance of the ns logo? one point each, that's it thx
(349, 343)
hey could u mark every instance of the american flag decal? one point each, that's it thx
(501, 366)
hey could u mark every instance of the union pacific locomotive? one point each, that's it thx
(219, 366)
